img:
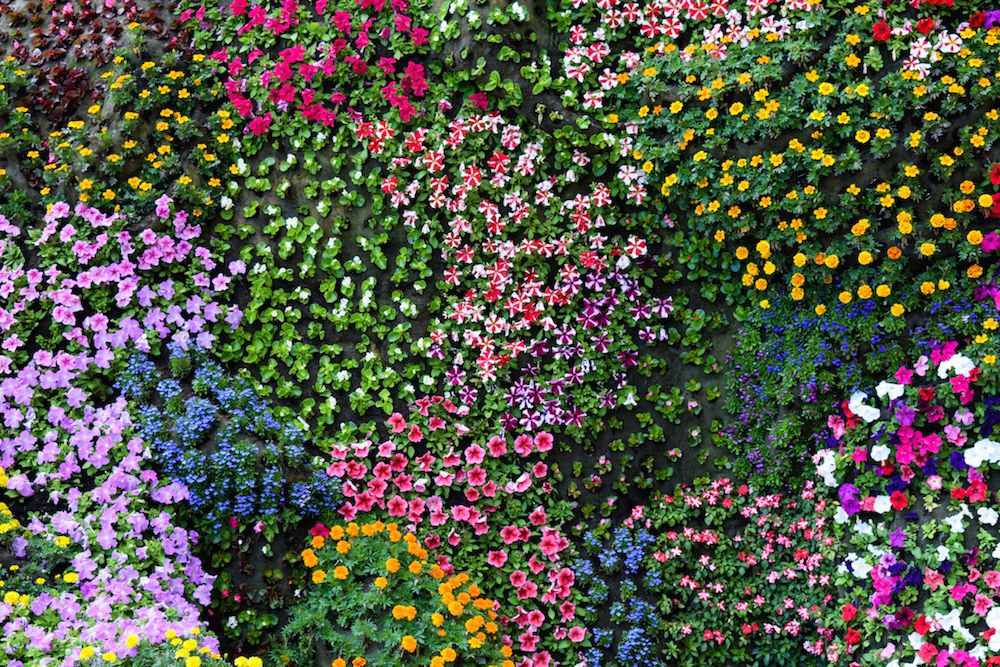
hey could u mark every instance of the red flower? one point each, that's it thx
(881, 31)
(479, 100)
(921, 626)
(898, 500)
(853, 636)
(994, 212)
(977, 20)
(925, 25)
(848, 612)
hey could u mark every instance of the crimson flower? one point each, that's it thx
(898, 500)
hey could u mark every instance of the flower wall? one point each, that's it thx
(379, 332)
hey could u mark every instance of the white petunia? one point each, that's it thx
(826, 464)
(950, 621)
(890, 389)
(982, 451)
(882, 504)
(958, 363)
(880, 453)
(857, 406)
(861, 569)
(988, 515)
(955, 521)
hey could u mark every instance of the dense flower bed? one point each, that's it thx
(912, 468)
(718, 572)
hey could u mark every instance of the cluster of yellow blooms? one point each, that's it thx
(459, 599)
(76, 140)
(835, 142)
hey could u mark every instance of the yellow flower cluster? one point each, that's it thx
(459, 600)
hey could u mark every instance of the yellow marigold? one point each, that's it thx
(927, 288)
(831, 261)
(864, 258)
(820, 309)
(897, 309)
(974, 271)
(340, 572)
(865, 292)
(381, 583)
(927, 249)
(318, 576)
(392, 565)
(894, 252)
(883, 290)
(986, 201)
(309, 558)
(798, 293)
(974, 237)
(449, 654)
(845, 297)
(409, 643)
